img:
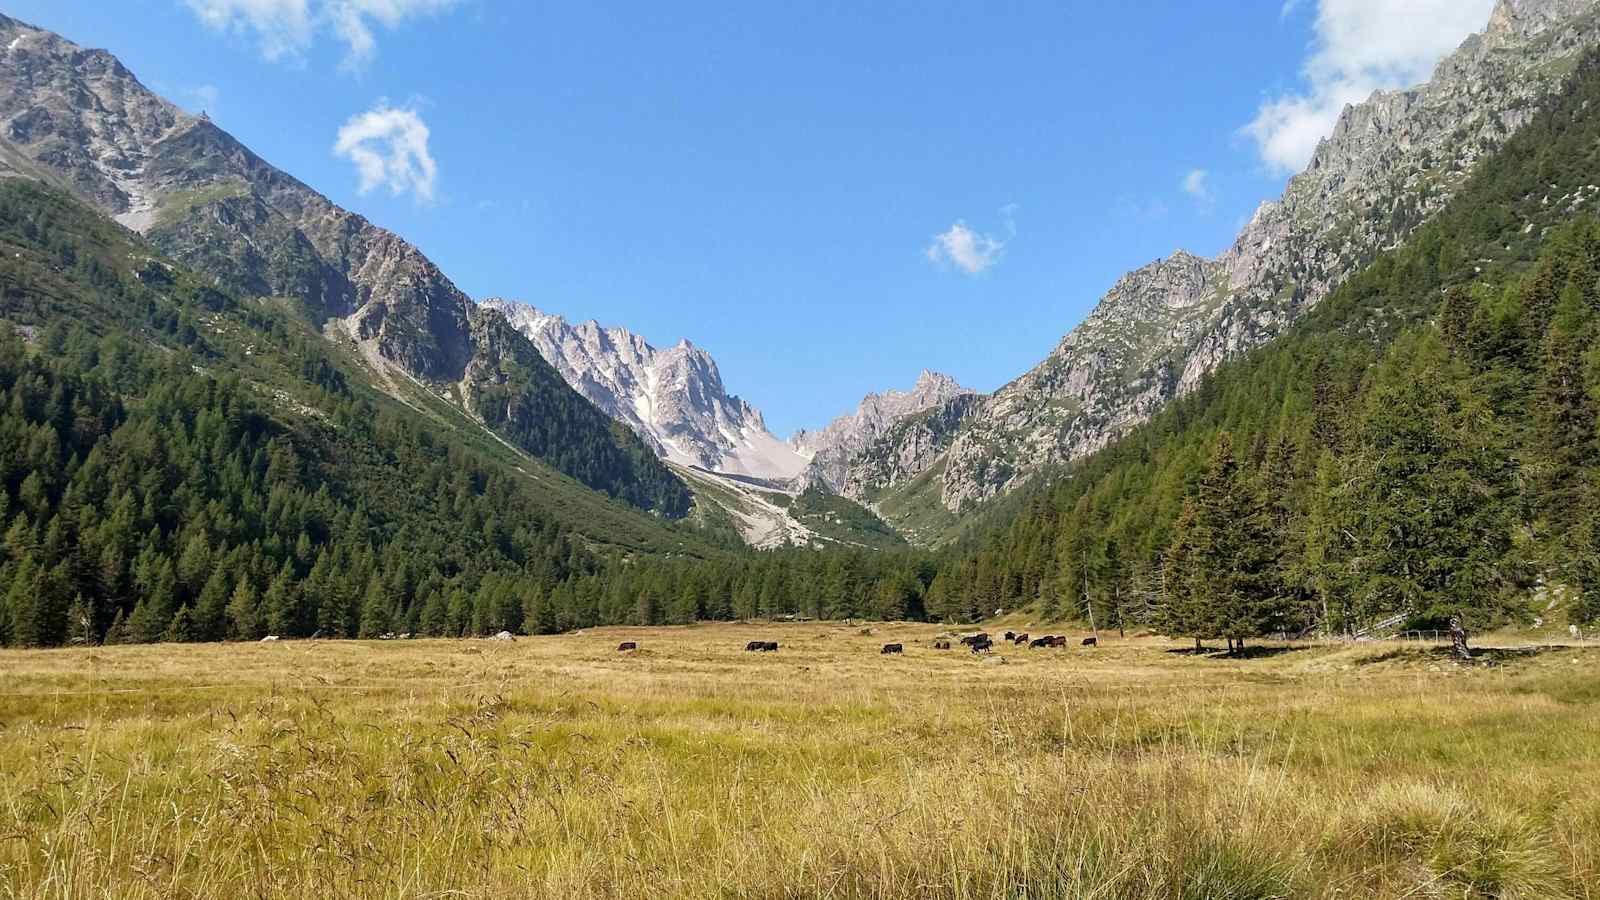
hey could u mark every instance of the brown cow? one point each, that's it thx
(941, 645)
(1020, 639)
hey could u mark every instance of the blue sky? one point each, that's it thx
(828, 196)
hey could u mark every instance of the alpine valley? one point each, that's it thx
(238, 407)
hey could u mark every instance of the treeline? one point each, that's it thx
(1422, 445)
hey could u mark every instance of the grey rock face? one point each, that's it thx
(1390, 164)
(673, 398)
(77, 118)
(836, 450)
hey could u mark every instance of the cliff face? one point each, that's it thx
(837, 451)
(1390, 163)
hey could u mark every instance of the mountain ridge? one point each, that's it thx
(1389, 164)
(77, 118)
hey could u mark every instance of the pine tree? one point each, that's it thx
(80, 622)
(1234, 555)
(244, 612)
(1564, 412)
(375, 609)
(1182, 610)
(181, 630)
(281, 603)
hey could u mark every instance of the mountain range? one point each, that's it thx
(77, 119)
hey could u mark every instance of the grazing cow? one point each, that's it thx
(1011, 636)
(983, 646)
(625, 646)
(1058, 641)
(1091, 642)
(892, 648)
(973, 639)
(1039, 642)
(755, 646)
(1020, 639)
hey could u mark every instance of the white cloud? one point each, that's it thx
(287, 28)
(1360, 46)
(972, 251)
(389, 147)
(1195, 185)
(207, 96)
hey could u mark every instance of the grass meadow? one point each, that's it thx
(557, 767)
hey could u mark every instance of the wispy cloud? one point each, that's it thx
(972, 251)
(285, 29)
(206, 97)
(389, 147)
(1196, 184)
(1360, 46)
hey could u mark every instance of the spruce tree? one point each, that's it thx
(244, 612)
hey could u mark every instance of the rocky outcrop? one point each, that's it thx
(907, 449)
(834, 450)
(673, 399)
(1390, 163)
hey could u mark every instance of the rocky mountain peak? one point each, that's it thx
(673, 398)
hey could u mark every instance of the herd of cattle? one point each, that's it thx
(978, 643)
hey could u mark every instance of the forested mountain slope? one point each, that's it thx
(179, 463)
(78, 119)
(1422, 443)
(1392, 162)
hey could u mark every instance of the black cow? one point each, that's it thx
(625, 646)
(1011, 636)
(892, 648)
(1039, 642)
(979, 638)
(983, 646)
(1091, 642)
(760, 646)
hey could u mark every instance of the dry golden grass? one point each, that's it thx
(556, 767)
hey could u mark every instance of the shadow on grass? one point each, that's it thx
(1490, 656)
(1260, 652)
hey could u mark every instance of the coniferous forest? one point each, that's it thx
(1422, 444)
(183, 464)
